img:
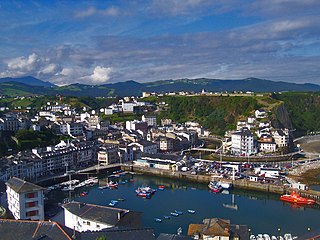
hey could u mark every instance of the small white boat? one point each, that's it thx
(191, 211)
(287, 236)
(274, 238)
(158, 219)
(252, 237)
(178, 212)
(174, 214)
(266, 237)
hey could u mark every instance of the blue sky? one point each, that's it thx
(97, 42)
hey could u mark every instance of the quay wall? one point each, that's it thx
(239, 183)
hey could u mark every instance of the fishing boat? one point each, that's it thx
(178, 212)
(158, 219)
(191, 211)
(161, 187)
(112, 184)
(146, 189)
(83, 194)
(144, 195)
(174, 214)
(166, 217)
(224, 185)
(296, 198)
(214, 187)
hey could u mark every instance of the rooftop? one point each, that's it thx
(21, 186)
(26, 230)
(103, 214)
(116, 234)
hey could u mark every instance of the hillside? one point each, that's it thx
(303, 110)
(299, 112)
(132, 88)
(215, 113)
(28, 80)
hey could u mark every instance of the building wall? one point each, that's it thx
(81, 225)
(26, 205)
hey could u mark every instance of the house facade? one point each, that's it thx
(25, 200)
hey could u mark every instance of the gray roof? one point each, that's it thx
(166, 236)
(104, 214)
(117, 234)
(21, 186)
(26, 230)
(162, 156)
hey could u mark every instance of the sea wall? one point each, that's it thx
(242, 184)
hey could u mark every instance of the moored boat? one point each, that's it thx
(144, 194)
(166, 217)
(178, 212)
(158, 219)
(83, 194)
(215, 187)
(296, 198)
(112, 185)
(191, 211)
(174, 214)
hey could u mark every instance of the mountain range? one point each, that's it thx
(32, 86)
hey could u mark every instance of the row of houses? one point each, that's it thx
(255, 134)
(41, 162)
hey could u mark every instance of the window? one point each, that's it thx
(31, 204)
(32, 213)
(88, 223)
(31, 195)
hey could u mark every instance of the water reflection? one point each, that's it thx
(262, 212)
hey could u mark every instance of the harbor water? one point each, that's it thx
(261, 212)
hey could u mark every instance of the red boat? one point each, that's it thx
(83, 194)
(295, 198)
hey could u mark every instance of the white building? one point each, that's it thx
(260, 113)
(108, 156)
(150, 120)
(72, 129)
(281, 138)
(25, 200)
(242, 143)
(267, 147)
(270, 172)
(144, 146)
(166, 144)
(88, 217)
(135, 125)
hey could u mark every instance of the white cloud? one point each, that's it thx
(33, 65)
(50, 69)
(92, 11)
(101, 74)
(23, 63)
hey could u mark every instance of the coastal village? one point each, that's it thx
(145, 145)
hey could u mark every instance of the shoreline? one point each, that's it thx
(240, 183)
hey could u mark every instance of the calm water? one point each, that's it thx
(263, 213)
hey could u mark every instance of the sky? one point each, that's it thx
(107, 41)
